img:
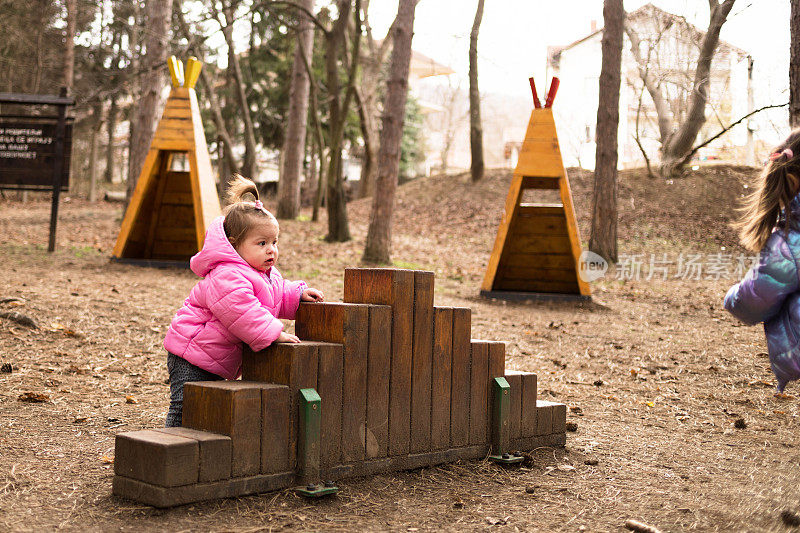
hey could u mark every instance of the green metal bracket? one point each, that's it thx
(501, 399)
(308, 446)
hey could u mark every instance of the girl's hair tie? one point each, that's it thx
(259, 205)
(777, 155)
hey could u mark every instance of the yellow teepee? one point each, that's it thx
(538, 246)
(170, 210)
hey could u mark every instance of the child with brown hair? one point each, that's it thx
(240, 299)
(769, 291)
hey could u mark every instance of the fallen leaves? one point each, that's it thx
(33, 397)
(55, 326)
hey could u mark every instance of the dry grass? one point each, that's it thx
(676, 373)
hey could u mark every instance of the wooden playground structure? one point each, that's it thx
(538, 246)
(382, 382)
(170, 209)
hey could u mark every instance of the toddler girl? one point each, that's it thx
(240, 299)
(769, 291)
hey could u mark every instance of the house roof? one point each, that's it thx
(647, 11)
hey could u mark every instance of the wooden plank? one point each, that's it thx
(441, 377)
(554, 244)
(540, 225)
(290, 364)
(544, 417)
(172, 123)
(158, 458)
(393, 287)
(157, 496)
(528, 422)
(276, 429)
(176, 112)
(558, 287)
(507, 219)
(153, 214)
(329, 387)
(460, 383)
(347, 324)
(176, 233)
(497, 361)
(172, 134)
(146, 176)
(421, 362)
(535, 260)
(173, 145)
(541, 210)
(538, 274)
(514, 379)
(231, 408)
(479, 393)
(173, 250)
(179, 181)
(204, 188)
(539, 182)
(378, 375)
(177, 199)
(215, 452)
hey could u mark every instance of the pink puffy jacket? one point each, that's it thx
(234, 303)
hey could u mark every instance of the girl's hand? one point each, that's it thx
(312, 295)
(287, 337)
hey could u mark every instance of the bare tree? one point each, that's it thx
(226, 19)
(154, 65)
(69, 43)
(367, 96)
(339, 104)
(677, 137)
(294, 141)
(216, 109)
(794, 65)
(603, 239)
(475, 126)
(379, 235)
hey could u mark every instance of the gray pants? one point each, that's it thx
(180, 372)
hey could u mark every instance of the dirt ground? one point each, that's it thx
(677, 425)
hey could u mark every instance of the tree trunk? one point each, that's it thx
(113, 111)
(367, 102)
(338, 227)
(603, 240)
(97, 125)
(249, 166)
(69, 44)
(794, 65)
(475, 126)
(294, 141)
(153, 79)
(367, 113)
(680, 143)
(379, 235)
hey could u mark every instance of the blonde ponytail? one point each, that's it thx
(773, 190)
(238, 188)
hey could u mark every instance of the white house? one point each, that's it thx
(670, 48)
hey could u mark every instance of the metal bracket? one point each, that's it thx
(501, 397)
(308, 447)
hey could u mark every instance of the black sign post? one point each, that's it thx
(34, 149)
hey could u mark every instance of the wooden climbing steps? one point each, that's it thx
(402, 385)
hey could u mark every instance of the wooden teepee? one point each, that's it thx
(170, 209)
(538, 246)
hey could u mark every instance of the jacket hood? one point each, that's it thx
(216, 249)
